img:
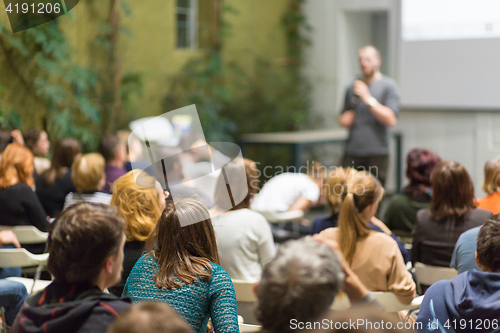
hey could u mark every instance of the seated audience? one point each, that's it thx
(18, 203)
(181, 268)
(54, 184)
(150, 317)
(374, 256)
(290, 191)
(301, 283)
(244, 238)
(38, 142)
(463, 258)
(115, 155)
(12, 297)
(470, 302)
(452, 212)
(140, 202)
(401, 212)
(491, 185)
(9, 240)
(87, 174)
(337, 182)
(85, 257)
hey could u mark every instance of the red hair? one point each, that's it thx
(17, 162)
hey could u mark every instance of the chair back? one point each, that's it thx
(21, 258)
(27, 234)
(244, 328)
(427, 274)
(387, 299)
(244, 291)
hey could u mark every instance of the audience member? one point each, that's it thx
(491, 185)
(337, 183)
(115, 155)
(9, 240)
(38, 142)
(87, 174)
(150, 317)
(290, 191)
(182, 269)
(140, 202)
(373, 256)
(401, 212)
(54, 184)
(452, 211)
(134, 151)
(5, 139)
(463, 258)
(12, 297)
(18, 203)
(244, 237)
(470, 302)
(85, 257)
(301, 283)
(361, 319)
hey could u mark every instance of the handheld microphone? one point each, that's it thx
(355, 98)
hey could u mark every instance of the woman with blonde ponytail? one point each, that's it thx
(373, 256)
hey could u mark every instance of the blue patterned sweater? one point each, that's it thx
(196, 302)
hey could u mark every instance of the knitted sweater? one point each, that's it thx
(196, 302)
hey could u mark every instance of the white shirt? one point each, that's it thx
(245, 243)
(281, 191)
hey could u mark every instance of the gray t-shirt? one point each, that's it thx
(367, 136)
(464, 254)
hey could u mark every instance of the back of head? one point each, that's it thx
(138, 202)
(183, 252)
(300, 283)
(337, 185)
(150, 317)
(232, 172)
(452, 191)
(364, 190)
(81, 240)
(31, 137)
(491, 182)
(65, 152)
(488, 244)
(419, 165)
(16, 163)
(109, 146)
(87, 172)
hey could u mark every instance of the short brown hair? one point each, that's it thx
(87, 172)
(231, 171)
(150, 317)
(491, 183)
(452, 191)
(108, 147)
(81, 240)
(488, 244)
(184, 253)
(31, 137)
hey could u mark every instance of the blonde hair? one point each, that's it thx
(16, 162)
(336, 186)
(364, 190)
(87, 172)
(139, 205)
(491, 183)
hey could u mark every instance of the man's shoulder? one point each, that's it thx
(389, 81)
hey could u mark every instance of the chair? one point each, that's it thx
(244, 328)
(23, 258)
(27, 234)
(386, 298)
(244, 291)
(427, 274)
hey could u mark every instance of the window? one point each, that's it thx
(187, 23)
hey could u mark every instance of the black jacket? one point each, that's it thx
(69, 308)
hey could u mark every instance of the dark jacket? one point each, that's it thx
(69, 308)
(434, 241)
(52, 197)
(470, 302)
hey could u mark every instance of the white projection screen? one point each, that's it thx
(450, 54)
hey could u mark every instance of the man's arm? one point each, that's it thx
(384, 114)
